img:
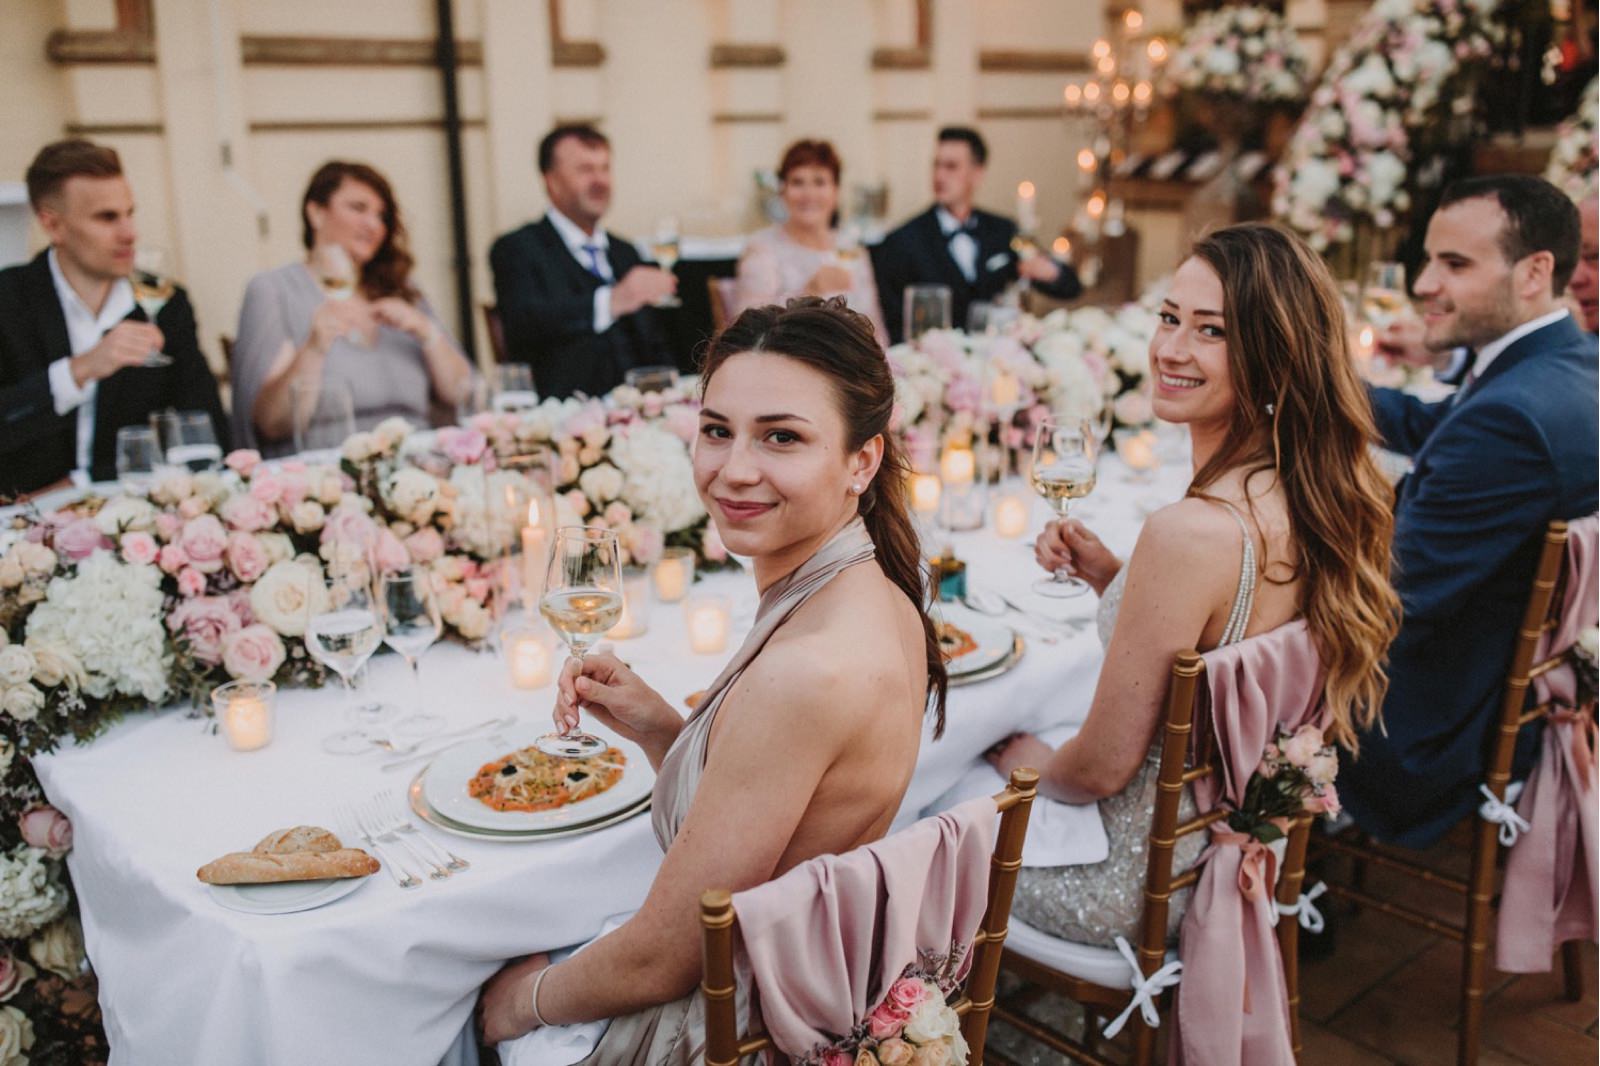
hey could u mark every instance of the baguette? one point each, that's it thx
(249, 867)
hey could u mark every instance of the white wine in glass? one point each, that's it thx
(1384, 299)
(582, 600)
(152, 288)
(335, 271)
(664, 250)
(1063, 470)
(342, 636)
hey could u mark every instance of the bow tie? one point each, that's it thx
(970, 227)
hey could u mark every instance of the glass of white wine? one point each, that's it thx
(152, 288)
(411, 625)
(1383, 299)
(1063, 470)
(664, 250)
(342, 633)
(335, 271)
(582, 599)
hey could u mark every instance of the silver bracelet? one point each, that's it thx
(533, 998)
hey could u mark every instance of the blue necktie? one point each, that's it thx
(594, 261)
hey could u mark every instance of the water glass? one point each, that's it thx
(188, 440)
(138, 456)
(652, 378)
(926, 307)
(514, 387)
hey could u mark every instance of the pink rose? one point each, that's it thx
(646, 544)
(247, 559)
(711, 545)
(172, 558)
(254, 653)
(140, 548)
(350, 525)
(963, 394)
(249, 514)
(895, 1052)
(80, 539)
(268, 488)
(1330, 801)
(683, 422)
(1305, 743)
(13, 975)
(425, 545)
(168, 525)
(191, 582)
(46, 828)
(588, 418)
(389, 554)
(478, 588)
(193, 507)
(617, 514)
(462, 446)
(838, 1058)
(242, 460)
(293, 488)
(292, 466)
(205, 622)
(905, 994)
(886, 1020)
(204, 540)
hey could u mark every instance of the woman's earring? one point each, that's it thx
(1269, 408)
(856, 489)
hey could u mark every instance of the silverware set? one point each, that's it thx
(381, 823)
(411, 754)
(1044, 627)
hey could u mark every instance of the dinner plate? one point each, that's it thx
(444, 784)
(420, 806)
(994, 642)
(284, 897)
(1005, 665)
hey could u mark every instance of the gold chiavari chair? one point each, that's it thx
(724, 1045)
(1097, 977)
(1539, 617)
(724, 293)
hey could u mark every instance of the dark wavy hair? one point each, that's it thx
(388, 272)
(839, 343)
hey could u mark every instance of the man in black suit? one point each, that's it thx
(75, 350)
(953, 243)
(577, 302)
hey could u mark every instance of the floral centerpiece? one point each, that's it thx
(1573, 161)
(1240, 54)
(1409, 64)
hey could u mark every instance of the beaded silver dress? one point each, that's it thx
(1096, 903)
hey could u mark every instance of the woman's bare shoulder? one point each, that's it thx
(1189, 528)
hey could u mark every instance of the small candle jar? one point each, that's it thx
(1137, 450)
(527, 654)
(925, 491)
(673, 574)
(1010, 515)
(244, 709)
(635, 620)
(957, 467)
(707, 619)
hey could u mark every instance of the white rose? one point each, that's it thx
(601, 483)
(8, 751)
(473, 620)
(359, 447)
(307, 516)
(12, 573)
(59, 949)
(278, 546)
(16, 1037)
(286, 593)
(124, 514)
(22, 702)
(932, 1020)
(1589, 642)
(16, 664)
(391, 431)
(54, 663)
(411, 492)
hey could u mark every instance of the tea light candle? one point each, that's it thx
(1010, 516)
(707, 620)
(673, 574)
(957, 466)
(925, 490)
(635, 619)
(528, 657)
(1005, 391)
(245, 710)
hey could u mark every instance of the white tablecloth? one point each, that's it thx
(387, 975)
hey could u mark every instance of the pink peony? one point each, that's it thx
(249, 514)
(191, 582)
(425, 545)
(168, 525)
(140, 548)
(205, 622)
(46, 828)
(1305, 743)
(242, 461)
(80, 539)
(963, 394)
(203, 540)
(253, 653)
(886, 1020)
(247, 558)
(268, 488)
(906, 993)
(462, 446)
(389, 554)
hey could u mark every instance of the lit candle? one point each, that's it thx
(635, 607)
(707, 620)
(925, 490)
(957, 467)
(245, 710)
(1027, 219)
(533, 556)
(1005, 390)
(1010, 515)
(1086, 160)
(1137, 449)
(528, 657)
(673, 574)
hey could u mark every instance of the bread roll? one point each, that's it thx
(251, 868)
(299, 838)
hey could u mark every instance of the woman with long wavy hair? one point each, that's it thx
(805, 743)
(1286, 517)
(347, 315)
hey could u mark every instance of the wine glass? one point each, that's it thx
(1383, 299)
(138, 455)
(926, 307)
(1062, 471)
(582, 599)
(664, 250)
(1100, 423)
(514, 387)
(188, 440)
(410, 626)
(335, 271)
(342, 632)
(847, 247)
(652, 378)
(152, 288)
(321, 414)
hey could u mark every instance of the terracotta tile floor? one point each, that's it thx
(1387, 995)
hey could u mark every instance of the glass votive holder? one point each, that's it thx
(1011, 515)
(962, 506)
(1139, 451)
(528, 657)
(244, 711)
(707, 619)
(673, 574)
(635, 620)
(925, 490)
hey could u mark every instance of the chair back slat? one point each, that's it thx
(717, 982)
(1542, 600)
(1187, 670)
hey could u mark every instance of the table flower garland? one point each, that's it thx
(1246, 54)
(1573, 160)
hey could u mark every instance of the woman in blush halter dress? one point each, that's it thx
(1286, 517)
(795, 464)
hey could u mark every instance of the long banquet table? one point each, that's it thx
(390, 975)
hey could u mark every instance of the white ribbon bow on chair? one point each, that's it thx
(1311, 919)
(1503, 814)
(1145, 990)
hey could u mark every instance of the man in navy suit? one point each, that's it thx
(953, 243)
(1514, 448)
(576, 302)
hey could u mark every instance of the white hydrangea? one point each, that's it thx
(30, 895)
(658, 477)
(108, 616)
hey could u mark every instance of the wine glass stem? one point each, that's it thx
(577, 703)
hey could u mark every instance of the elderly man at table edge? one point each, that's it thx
(577, 302)
(953, 243)
(73, 344)
(1512, 449)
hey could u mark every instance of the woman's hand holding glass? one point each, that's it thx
(351, 319)
(617, 698)
(831, 279)
(1068, 544)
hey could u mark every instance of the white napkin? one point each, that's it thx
(560, 1045)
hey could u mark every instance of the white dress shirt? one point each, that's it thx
(578, 243)
(1490, 351)
(963, 246)
(84, 330)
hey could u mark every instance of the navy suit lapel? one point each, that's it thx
(1555, 335)
(49, 320)
(557, 252)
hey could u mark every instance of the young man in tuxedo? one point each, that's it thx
(1516, 446)
(953, 243)
(75, 349)
(577, 302)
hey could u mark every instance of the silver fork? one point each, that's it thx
(351, 819)
(392, 812)
(374, 820)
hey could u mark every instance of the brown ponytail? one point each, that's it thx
(829, 337)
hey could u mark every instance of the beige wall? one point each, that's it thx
(687, 137)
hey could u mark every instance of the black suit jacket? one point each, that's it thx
(918, 254)
(38, 446)
(546, 304)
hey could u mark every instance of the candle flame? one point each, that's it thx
(1073, 94)
(1061, 247)
(1085, 159)
(1025, 190)
(1102, 48)
(1091, 92)
(533, 512)
(1157, 50)
(1132, 19)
